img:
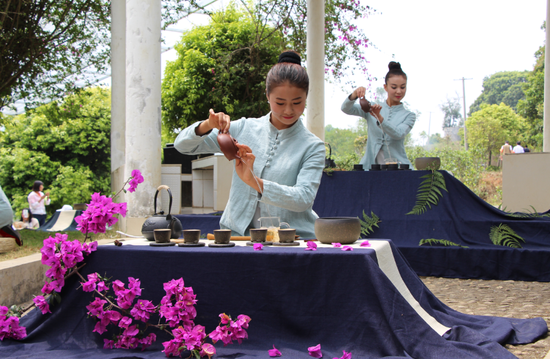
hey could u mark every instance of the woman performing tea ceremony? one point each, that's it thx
(388, 124)
(281, 162)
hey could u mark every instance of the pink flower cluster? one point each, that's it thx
(187, 339)
(136, 179)
(230, 330)
(314, 352)
(178, 305)
(61, 255)
(100, 213)
(124, 297)
(9, 326)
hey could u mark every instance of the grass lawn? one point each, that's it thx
(33, 241)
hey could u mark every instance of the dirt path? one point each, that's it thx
(498, 298)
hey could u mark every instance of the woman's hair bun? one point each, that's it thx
(394, 66)
(290, 56)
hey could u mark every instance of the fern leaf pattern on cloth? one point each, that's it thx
(503, 235)
(440, 242)
(429, 192)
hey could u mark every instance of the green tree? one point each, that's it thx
(489, 127)
(48, 44)
(219, 66)
(532, 106)
(505, 86)
(65, 144)
(451, 109)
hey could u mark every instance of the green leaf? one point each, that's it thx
(368, 224)
(428, 192)
(436, 242)
(503, 235)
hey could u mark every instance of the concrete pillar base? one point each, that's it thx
(133, 225)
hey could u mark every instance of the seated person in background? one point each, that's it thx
(27, 221)
(6, 219)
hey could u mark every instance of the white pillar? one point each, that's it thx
(143, 118)
(315, 120)
(118, 94)
(546, 125)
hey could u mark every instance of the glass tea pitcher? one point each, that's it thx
(273, 224)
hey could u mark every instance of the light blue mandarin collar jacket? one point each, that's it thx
(290, 162)
(397, 123)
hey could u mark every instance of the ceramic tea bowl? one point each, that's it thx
(344, 230)
(258, 234)
(287, 235)
(222, 236)
(425, 163)
(162, 235)
(191, 236)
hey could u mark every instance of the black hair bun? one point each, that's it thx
(394, 66)
(290, 56)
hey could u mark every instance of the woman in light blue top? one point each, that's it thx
(388, 124)
(287, 159)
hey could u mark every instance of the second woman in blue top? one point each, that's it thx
(388, 124)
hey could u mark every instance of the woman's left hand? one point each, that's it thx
(375, 112)
(245, 167)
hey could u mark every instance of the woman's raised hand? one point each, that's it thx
(219, 120)
(358, 93)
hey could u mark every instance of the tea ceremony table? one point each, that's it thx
(367, 301)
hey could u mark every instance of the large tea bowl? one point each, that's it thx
(344, 230)
(427, 163)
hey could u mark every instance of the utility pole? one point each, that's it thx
(429, 126)
(464, 107)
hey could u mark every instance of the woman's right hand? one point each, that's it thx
(358, 93)
(218, 120)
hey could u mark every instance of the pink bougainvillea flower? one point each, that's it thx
(41, 303)
(208, 350)
(365, 243)
(108, 344)
(311, 246)
(258, 246)
(125, 322)
(224, 318)
(137, 178)
(345, 356)
(315, 351)
(347, 248)
(337, 245)
(274, 352)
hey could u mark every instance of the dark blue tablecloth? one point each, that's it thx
(296, 299)
(460, 217)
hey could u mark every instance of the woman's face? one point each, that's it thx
(396, 89)
(287, 104)
(41, 188)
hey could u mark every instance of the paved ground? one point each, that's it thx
(498, 298)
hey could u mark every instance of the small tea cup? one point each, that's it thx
(162, 235)
(222, 236)
(258, 234)
(287, 235)
(191, 236)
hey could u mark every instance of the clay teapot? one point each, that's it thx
(228, 146)
(365, 104)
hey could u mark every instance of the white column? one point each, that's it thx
(546, 127)
(143, 118)
(118, 94)
(315, 118)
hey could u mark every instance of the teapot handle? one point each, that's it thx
(163, 186)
